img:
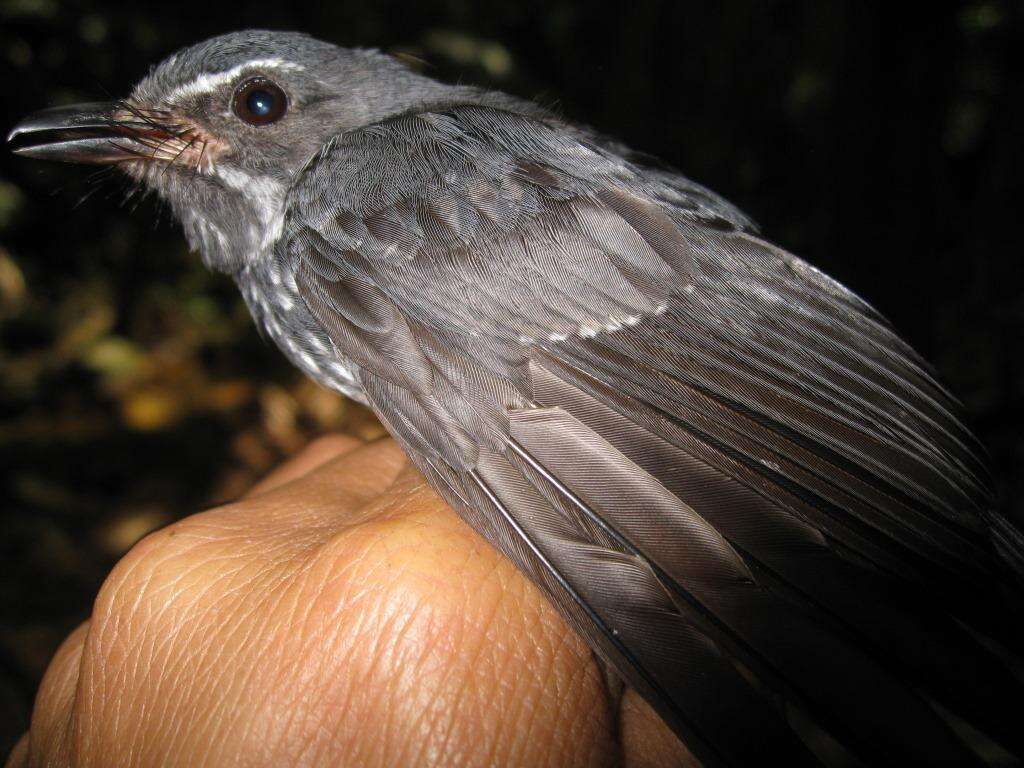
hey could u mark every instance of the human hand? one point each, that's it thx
(339, 614)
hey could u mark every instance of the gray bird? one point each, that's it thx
(728, 472)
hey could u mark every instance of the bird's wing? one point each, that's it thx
(725, 469)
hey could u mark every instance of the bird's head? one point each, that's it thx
(219, 130)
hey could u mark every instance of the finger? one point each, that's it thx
(54, 707)
(19, 755)
(646, 741)
(317, 453)
(265, 530)
(366, 473)
(333, 491)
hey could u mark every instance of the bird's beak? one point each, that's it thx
(83, 133)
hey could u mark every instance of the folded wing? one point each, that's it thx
(726, 470)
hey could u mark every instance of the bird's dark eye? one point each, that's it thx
(259, 101)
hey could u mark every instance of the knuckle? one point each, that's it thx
(164, 611)
(157, 573)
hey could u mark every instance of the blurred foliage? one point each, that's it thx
(879, 141)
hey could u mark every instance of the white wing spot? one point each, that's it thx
(613, 324)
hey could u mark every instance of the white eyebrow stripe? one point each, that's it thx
(207, 83)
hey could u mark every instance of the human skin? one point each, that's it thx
(339, 614)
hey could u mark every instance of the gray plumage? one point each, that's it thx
(727, 471)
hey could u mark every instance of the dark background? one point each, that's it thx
(883, 145)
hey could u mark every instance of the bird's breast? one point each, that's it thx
(270, 292)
